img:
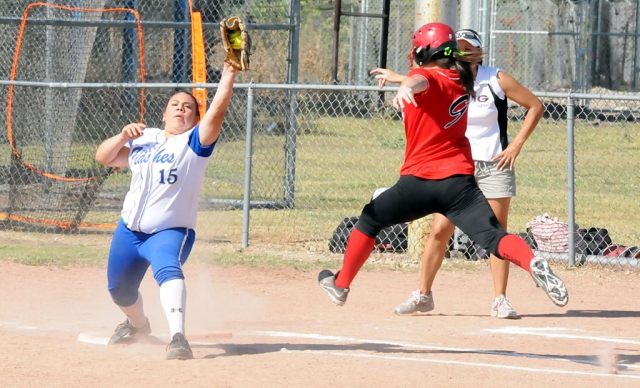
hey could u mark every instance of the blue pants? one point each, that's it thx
(132, 252)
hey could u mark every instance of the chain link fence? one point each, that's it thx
(318, 152)
(551, 45)
(546, 44)
(52, 133)
(584, 46)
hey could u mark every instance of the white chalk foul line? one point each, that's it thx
(558, 332)
(433, 347)
(453, 362)
(400, 344)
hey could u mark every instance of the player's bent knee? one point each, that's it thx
(124, 296)
(368, 224)
(169, 273)
(441, 234)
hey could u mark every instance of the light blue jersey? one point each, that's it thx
(166, 179)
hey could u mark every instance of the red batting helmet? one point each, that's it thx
(431, 39)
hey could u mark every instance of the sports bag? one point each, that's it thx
(390, 239)
(552, 235)
(616, 250)
(596, 239)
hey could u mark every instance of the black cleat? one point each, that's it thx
(126, 333)
(179, 348)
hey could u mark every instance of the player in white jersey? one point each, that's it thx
(494, 158)
(159, 212)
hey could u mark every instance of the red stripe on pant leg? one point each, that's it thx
(359, 247)
(514, 249)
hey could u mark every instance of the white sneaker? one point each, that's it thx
(417, 302)
(337, 295)
(502, 309)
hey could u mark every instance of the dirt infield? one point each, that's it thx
(286, 333)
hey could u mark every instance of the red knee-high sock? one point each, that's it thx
(359, 247)
(514, 249)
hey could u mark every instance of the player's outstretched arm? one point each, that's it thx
(385, 75)
(211, 123)
(114, 152)
(409, 87)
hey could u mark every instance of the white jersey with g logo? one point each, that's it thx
(166, 178)
(487, 116)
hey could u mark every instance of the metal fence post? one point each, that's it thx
(290, 152)
(570, 179)
(484, 24)
(179, 42)
(246, 203)
(636, 55)
(292, 131)
(491, 59)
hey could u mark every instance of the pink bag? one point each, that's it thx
(552, 235)
(616, 250)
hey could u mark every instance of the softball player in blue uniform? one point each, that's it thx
(160, 210)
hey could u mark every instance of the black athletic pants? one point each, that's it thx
(457, 197)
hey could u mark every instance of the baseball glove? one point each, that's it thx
(236, 42)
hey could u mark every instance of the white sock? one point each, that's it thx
(135, 312)
(173, 296)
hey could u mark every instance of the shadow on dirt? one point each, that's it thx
(623, 357)
(588, 314)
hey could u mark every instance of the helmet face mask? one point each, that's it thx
(431, 39)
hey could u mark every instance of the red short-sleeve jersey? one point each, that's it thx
(436, 144)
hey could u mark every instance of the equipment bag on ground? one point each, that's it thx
(552, 235)
(391, 239)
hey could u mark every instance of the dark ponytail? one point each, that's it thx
(464, 64)
(466, 77)
(464, 70)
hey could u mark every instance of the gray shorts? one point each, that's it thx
(495, 183)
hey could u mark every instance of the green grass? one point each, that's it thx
(80, 156)
(71, 253)
(340, 161)
(232, 259)
(65, 256)
(61, 256)
(337, 172)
